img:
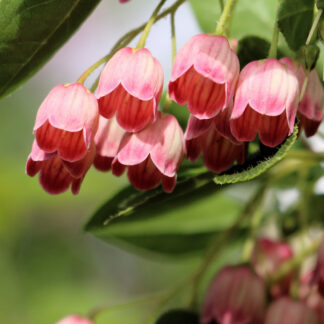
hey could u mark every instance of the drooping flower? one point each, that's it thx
(236, 296)
(55, 174)
(319, 269)
(265, 102)
(75, 319)
(152, 155)
(310, 107)
(213, 139)
(130, 86)
(204, 75)
(67, 121)
(107, 140)
(286, 310)
(268, 256)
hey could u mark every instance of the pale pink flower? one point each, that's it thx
(107, 140)
(265, 102)
(152, 155)
(236, 296)
(268, 256)
(55, 174)
(75, 319)
(204, 75)
(213, 139)
(286, 310)
(67, 121)
(130, 86)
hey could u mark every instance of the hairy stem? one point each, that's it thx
(225, 17)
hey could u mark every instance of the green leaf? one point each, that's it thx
(295, 21)
(31, 32)
(236, 174)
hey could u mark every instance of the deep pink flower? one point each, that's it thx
(55, 174)
(268, 256)
(67, 121)
(310, 108)
(265, 102)
(74, 319)
(319, 269)
(213, 139)
(131, 85)
(204, 75)
(107, 140)
(286, 310)
(236, 296)
(152, 155)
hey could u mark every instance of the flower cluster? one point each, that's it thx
(240, 294)
(121, 127)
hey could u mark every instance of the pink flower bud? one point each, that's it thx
(268, 256)
(74, 319)
(130, 85)
(265, 102)
(286, 310)
(204, 75)
(319, 269)
(107, 140)
(55, 174)
(213, 138)
(152, 155)
(236, 296)
(67, 121)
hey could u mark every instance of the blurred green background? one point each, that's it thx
(48, 266)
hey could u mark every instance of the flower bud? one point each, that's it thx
(268, 256)
(74, 319)
(237, 295)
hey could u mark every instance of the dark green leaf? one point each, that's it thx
(295, 20)
(31, 32)
(178, 316)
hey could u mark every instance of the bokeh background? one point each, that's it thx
(49, 267)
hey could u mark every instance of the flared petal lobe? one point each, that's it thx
(204, 75)
(236, 295)
(67, 121)
(131, 85)
(107, 141)
(265, 102)
(152, 155)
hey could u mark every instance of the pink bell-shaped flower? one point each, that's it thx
(67, 121)
(286, 310)
(130, 86)
(236, 296)
(75, 319)
(310, 108)
(213, 139)
(152, 155)
(265, 102)
(107, 140)
(204, 75)
(268, 256)
(55, 174)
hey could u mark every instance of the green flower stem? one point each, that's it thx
(125, 40)
(225, 17)
(275, 36)
(173, 37)
(294, 263)
(314, 26)
(146, 31)
(254, 209)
